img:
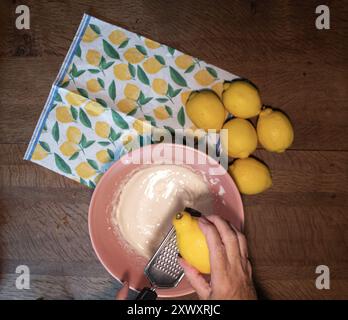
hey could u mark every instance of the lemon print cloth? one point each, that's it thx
(113, 87)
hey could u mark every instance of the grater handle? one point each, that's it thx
(147, 294)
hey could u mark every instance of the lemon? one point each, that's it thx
(68, 148)
(241, 99)
(94, 109)
(133, 55)
(63, 114)
(93, 85)
(84, 170)
(184, 61)
(103, 156)
(126, 105)
(93, 57)
(184, 96)
(73, 134)
(250, 175)
(142, 126)
(152, 65)
(218, 88)
(117, 37)
(205, 110)
(274, 130)
(152, 44)
(74, 99)
(39, 153)
(161, 113)
(89, 35)
(131, 91)
(127, 139)
(204, 78)
(121, 72)
(191, 242)
(160, 86)
(102, 129)
(242, 138)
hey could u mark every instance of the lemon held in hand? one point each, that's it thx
(241, 99)
(274, 130)
(242, 138)
(250, 175)
(205, 110)
(191, 241)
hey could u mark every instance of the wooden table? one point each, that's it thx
(297, 225)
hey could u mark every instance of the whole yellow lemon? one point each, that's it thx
(250, 175)
(274, 130)
(241, 138)
(191, 241)
(241, 99)
(205, 110)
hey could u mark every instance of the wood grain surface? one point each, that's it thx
(300, 223)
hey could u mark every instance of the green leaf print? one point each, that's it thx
(78, 51)
(95, 28)
(160, 59)
(190, 68)
(212, 72)
(169, 110)
(93, 164)
(123, 44)
(110, 51)
(91, 184)
(112, 90)
(171, 50)
(57, 97)
(113, 136)
(55, 132)
(101, 102)
(103, 143)
(82, 92)
(93, 71)
(143, 99)
(151, 120)
(119, 121)
(45, 146)
(131, 69)
(142, 76)
(107, 65)
(171, 130)
(101, 82)
(181, 117)
(177, 77)
(162, 100)
(111, 154)
(74, 112)
(75, 155)
(83, 140)
(141, 49)
(84, 119)
(65, 84)
(61, 164)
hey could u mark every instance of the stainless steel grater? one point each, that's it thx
(163, 270)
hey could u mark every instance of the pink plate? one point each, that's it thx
(124, 264)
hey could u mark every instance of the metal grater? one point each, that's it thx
(163, 270)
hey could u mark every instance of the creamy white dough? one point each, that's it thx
(149, 200)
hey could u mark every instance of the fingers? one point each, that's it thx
(228, 235)
(196, 280)
(217, 252)
(123, 292)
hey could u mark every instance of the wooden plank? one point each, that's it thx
(43, 219)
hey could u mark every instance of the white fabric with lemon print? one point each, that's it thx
(113, 87)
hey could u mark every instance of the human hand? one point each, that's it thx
(231, 272)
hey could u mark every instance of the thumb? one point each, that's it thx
(198, 283)
(123, 292)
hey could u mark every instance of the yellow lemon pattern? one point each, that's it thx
(114, 86)
(93, 57)
(152, 65)
(121, 72)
